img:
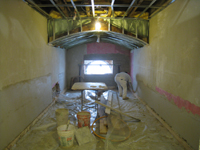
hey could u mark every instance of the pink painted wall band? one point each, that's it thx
(106, 48)
(180, 102)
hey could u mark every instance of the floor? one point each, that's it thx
(149, 134)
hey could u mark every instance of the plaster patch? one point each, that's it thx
(180, 102)
(4, 26)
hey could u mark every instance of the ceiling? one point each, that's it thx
(98, 36)
(123, 22)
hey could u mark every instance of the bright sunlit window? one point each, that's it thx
(98, 66)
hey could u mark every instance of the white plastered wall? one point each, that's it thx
(167, 71)
(28, 68)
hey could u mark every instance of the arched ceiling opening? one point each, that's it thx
(124, 40)
(123, 22)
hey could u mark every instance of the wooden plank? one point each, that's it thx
(135, 119)
(64, 9)
(105, 122)
(134, 10)
(109, 12)
(109, 103)
(101, 112)
(107, 111)
(87, 11)
(101, 109)
(103, 128)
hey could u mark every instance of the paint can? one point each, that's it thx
(83, 119)
(62, 116)
(66, 137)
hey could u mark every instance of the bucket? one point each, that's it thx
(66, 138)
(83, 119)
(62, 116)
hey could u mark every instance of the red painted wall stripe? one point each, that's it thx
(180, 102)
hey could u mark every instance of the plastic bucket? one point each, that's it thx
(62, 116)
(83, 119)
(66, 138)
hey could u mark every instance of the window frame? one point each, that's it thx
(87, 63)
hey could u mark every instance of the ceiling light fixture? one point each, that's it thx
(97, 25)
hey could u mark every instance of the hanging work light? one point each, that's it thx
(97, 26)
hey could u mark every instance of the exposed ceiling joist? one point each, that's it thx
(129, 8)
(112, 9)
(58, 9)
(38, 8)
(93, 10)
(87, 11)
(75, 8)
(133, 11)
(161, 8)
(95, 5)
(147, 8)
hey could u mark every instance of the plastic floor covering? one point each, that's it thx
(149, 134)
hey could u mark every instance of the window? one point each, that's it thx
(98, 66)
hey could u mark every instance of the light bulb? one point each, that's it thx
(97, 26)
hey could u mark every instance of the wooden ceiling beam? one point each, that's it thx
(133, 1)
(64, 9)
(109, 11)
(133, 11)
(58, 9)
(87, 11)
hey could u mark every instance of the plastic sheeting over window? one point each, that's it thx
(98, 66)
